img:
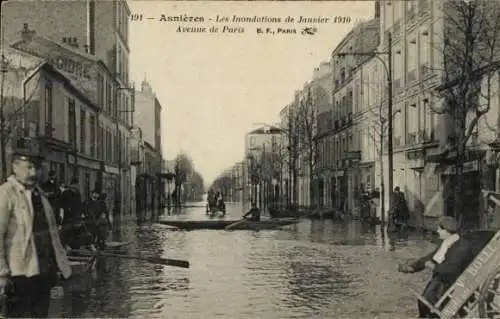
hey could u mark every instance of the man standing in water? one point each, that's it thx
(71, 204)
(98, 214)
(31, 253)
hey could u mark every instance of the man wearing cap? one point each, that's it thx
(31, 253)
(447, 262)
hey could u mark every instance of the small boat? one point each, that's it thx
(222, 224)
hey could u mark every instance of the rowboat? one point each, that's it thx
(268, 224)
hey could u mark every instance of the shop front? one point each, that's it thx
(88, 174)
(111, 188)
(56, 161)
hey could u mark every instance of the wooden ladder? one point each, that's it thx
(468, 285)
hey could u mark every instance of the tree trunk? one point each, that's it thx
(458, 189)
(295, 188)
(3, 137)
(382, 184)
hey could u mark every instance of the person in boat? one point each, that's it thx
(253, 214)
(220, 201)
(447, 262)
(97, 217)
(31, 253)
(73, 231)
(211, 199)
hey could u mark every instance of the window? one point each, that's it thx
(424, 48)
(109, 105)
(412, 122)
(72, 122)
(399, 7)
(397, 67)
(83, 131)
(388, 13)
(48, 109)
(93, 129)
(412, 59)
(411, 9)
(100, 91)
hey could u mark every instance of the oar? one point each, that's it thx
(153, 260)
(233, 225)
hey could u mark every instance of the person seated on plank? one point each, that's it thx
(447, 262)
(253, 214)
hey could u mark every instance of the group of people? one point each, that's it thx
(215, 199)
(39, 222)
(81, 223)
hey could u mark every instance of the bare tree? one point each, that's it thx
(13, 107)
(470, 52)
(307, 142)
(289, 151)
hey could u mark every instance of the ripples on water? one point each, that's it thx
(315, 269)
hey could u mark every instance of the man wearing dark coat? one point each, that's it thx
(71, 203)
(98, 218)
(447, 262)
(52, 191)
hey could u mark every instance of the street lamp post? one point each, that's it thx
(390, 161)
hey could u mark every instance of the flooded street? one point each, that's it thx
(313, 269)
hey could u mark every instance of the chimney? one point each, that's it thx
(26, 33)
(75, 43)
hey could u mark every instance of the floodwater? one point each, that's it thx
(315, 269)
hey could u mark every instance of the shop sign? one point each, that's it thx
(468, 167)
(72, 66)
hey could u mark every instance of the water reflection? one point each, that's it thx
(316, 268)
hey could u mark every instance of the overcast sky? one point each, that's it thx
(215, 87)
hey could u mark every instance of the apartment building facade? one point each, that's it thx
(74, 123)
(346, 130)
(263, 149)
(150, 185)
(415, 28)
(321, 90)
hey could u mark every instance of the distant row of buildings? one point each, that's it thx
(348, 97)
(66, 84)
